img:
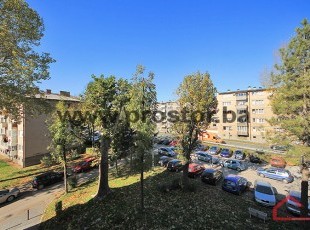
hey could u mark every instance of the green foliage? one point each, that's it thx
(290, 99)
(47, 161)
(21, 67)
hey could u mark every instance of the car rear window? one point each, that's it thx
(264, 189)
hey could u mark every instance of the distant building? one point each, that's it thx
(243, 115)
(162, 117)
(26, 141)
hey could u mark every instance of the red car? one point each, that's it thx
(173, 143)
(84, 165)
(195, 170)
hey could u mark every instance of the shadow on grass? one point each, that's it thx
(208, 207)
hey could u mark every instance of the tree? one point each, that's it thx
(143, 102)
(104, 99)
(21, 67)
(291, 94)
(63, 137)
(197, 99)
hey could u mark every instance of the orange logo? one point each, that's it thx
(282, 202)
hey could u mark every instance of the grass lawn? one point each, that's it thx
(207, 208)
(12, 175)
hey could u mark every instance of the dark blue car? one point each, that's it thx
(226, 153)
(234, 184)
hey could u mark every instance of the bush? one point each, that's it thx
(72, 182)
(74, 155)
(47, 161)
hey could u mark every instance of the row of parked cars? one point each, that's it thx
(264, 192)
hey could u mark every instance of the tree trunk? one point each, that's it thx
(185, 180)
(304, 191)
(142, 181)
(116, 168)
(103, 186)
(65, 168)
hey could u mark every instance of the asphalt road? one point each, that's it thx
(14, 215)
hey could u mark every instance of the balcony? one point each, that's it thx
(241, 107)
(242, 133)
(241, 97)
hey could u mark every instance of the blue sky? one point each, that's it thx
(235, 41)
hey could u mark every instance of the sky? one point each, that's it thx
(234, 41)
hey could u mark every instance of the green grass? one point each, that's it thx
(207, 208)
(12, 175)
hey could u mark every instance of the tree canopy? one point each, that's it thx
(291, 86)
(22, 68)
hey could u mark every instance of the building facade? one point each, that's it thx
(243, 115)
(163, 122)
(26, 141)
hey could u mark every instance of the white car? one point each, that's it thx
(264, 193)
(8, 195)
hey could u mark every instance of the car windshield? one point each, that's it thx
(213, 148)
(238, 152)
(264, 189)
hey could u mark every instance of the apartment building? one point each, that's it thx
(26, 141)
(162, 116)
(242, 115)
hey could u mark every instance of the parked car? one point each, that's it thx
(8, 195)
(166, 142)
(255, 159)
(163, 160)
(211, 176)
(277, 161)
(239, 154)
(165, 151)
(173, 143)
(264, 193)
(215, 160)
(234, 164)
(46, 179)
(203, 156)
(235, 184)
(84, 165)
(214, 150)
(293, 203)
(201, 147)
(226, 153)
(280, 148)
(175, 165)
(276, 174)
(195, 170)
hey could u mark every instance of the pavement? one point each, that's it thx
(27, 210)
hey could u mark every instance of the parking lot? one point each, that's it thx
(251, 174)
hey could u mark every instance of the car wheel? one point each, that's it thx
(262, 175)
(40, 186)
(10, 198)
(238, 169)
(285, 181)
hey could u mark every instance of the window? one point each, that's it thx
(226, 103)
(241, 102)
(227, 128)
(258, 120)
(242, 111)
(258, 129)
(258, 111)
(242, 119)
(240, 94)
(257, 93)
(258, 102)
(242, 128)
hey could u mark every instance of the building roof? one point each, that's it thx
(62, 96)
(243, 90)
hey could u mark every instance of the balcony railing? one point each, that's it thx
(242, 133)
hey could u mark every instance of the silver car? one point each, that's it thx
(264, 193)
(8, 195)
(293, 202)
